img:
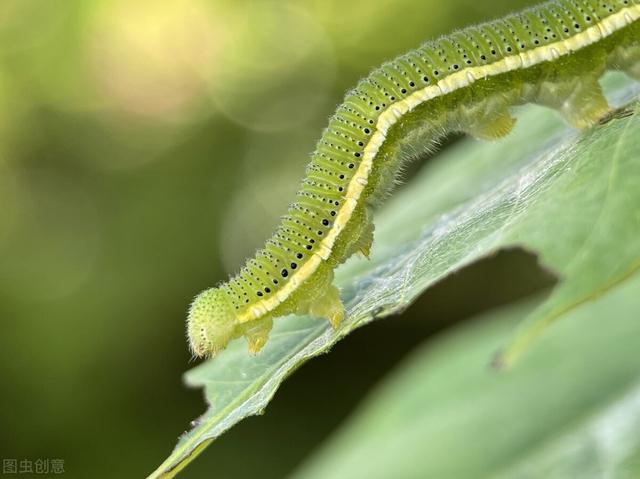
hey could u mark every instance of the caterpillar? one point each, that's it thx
(552, 54)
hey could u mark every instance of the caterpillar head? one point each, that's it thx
(211, 323)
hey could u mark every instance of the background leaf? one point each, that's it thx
(572, 198)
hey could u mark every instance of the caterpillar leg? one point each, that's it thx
(257, 333)
(488, 120)
(360, 234)
(586, 106)
(329, 306)
(492, 128)
(365, 241)
(580, 101)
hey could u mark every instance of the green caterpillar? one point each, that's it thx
(552, 54)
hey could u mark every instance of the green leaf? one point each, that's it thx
(570, 409)
(573, 198)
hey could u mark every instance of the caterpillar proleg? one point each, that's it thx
(552, 55)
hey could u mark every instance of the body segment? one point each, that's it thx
(552, 55)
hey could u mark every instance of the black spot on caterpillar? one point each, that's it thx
(552, 55)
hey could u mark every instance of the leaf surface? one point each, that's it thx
(572, 198)
(569, 409)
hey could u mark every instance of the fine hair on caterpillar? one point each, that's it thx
(552, 55)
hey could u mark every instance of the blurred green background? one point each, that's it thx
(147, 147)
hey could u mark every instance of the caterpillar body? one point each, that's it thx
(552, 54)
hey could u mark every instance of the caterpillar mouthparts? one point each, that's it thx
(211, 323)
